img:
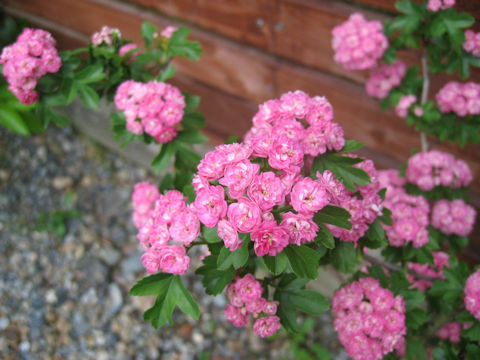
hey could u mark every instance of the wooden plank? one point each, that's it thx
(240, 71)
(361, 118)
(243, 20)
(470, 6)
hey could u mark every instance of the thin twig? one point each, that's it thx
(423, 100)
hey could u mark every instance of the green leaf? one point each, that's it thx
(292, 282)
(415, 318)
(193, 120)
(386, 217)
(399, 282)
(276, 264)
(413, 298)
(90, 74)
(416, 349)
(286, 313)
(179, 46)
(147, 31)
(324, 237)
(307, 301)
(191, 136)
(375, 236)
(213, 279)
(352, 145)
(191, 102)
(303, 260)
(473, 352)
(171, 293)
(12, 120)
(167, 74)
(343, 257)
(333, 215)
(150, 285)
(211, 235)
(472, 333)
(184, 299)
(342, 167)
(389, 56)
(163, 158)
(237, 258)
(88, 96)
(408, 7)
(186, 159)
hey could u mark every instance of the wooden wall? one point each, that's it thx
(255, 50)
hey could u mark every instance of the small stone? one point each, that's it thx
(62, 182)
(4, 322)
(109, 255)
(51, 297)
(114, 301)
(24, 346)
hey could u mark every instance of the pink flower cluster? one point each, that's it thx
(462, 99)
(160, 220)
(358, 43)
(27, 60)
(435, 5)
(125, 49)
(284, 132)
(409, 213)
(404, 104)
(450, 331)
(440, 260)
(143, 199)
(364, 205)
(168, 31)
(472, 294)
(435, 168)
(153, 107)
(384, 78)
(245, 296)
(105, 35)
(369, 320)
(472, 43)
(453, 217)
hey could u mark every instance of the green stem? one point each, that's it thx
(424, 98)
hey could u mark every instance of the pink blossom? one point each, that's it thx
(472, 43)
(308, 196)
(436, 5)
(244, 215)
(266, 326)
(270, 307)
(125, 49)
(369, 320)
(266, 190)
(248, 288)
(358, 44)
(229, 235)
(185, 227)
(236, 316)
(168, 206)
(301, 228)
(27, 60)
(238, 176)
(210, 205)
(462, 99)
(453, 217)
(173, 259)
(384, 78)
(472, 294)
(168, 31)
(450, 331)
(105, 35)
(269, 238)
(404, 104)
(286, 154)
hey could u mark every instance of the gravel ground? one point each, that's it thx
(65, 297)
